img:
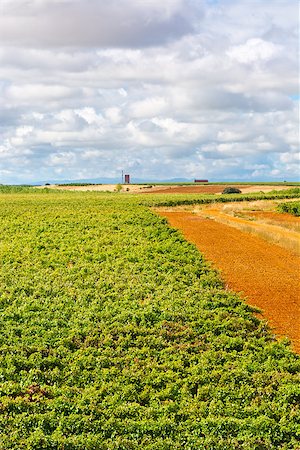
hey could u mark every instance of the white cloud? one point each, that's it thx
(62, 159)
(253, 50)
(113, 114)
(38, 92)
(92, 23)
(90, 116)
(149, 107)
(163, 89)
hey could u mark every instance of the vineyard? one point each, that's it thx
(116, 334)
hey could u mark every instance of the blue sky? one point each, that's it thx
(180, 88)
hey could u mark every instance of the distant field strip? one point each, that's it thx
(116, 334)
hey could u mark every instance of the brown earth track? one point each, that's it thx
(265, 274)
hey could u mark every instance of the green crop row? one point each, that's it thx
(291, 208)
(10, 189)
(116, 334)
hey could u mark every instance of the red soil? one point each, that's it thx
(265, 274)
(282, 219)
(210, 189)
(202, 189)
(188, 190)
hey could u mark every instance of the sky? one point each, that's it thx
(160, 89)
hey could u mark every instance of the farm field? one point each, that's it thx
(260, 218)
(214, 189)
(267, 275)
(117, 334)
(189, 188)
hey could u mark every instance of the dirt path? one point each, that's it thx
(266, 274)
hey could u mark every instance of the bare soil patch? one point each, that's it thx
(211, 189)
(202, 189)
(266, 275)
(268, 225)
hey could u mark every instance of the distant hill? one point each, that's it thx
(116, 180)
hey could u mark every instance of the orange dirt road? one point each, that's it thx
(266, 274)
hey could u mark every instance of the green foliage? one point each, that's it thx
(231, 190)
(9, 189)
(116, 334)
(291, 208)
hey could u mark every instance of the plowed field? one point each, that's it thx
(206, 189)
(266, 274)
(210, 189)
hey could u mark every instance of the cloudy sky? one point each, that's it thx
(159, 89)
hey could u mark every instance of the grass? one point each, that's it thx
(291, 208)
